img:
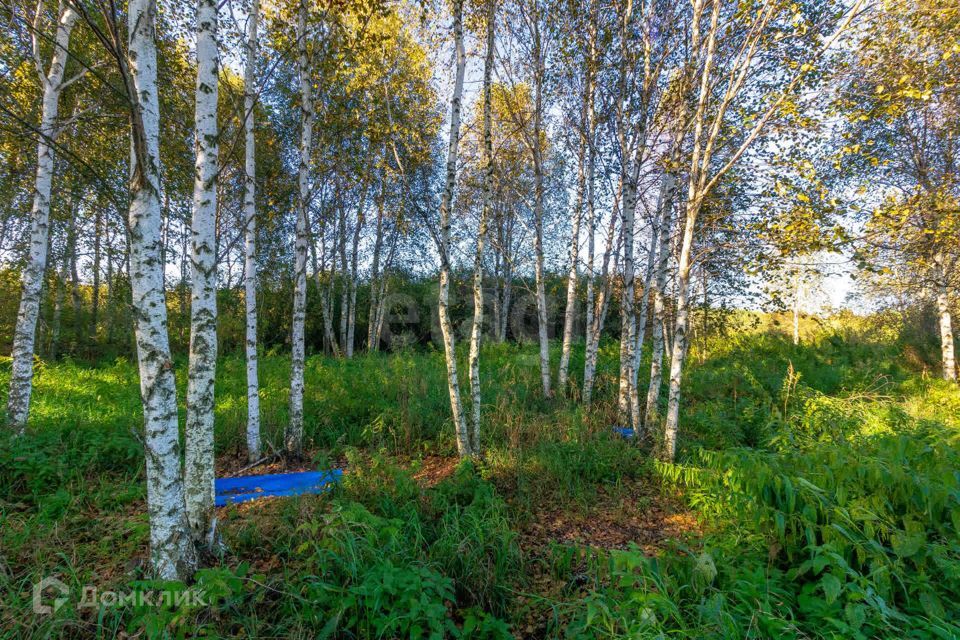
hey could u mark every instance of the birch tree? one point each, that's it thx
(385, 247)
(52, 83)
(294, 432)
(250, 232)
(539, 50)
(729, 49)
(632, 124)
(947, 360)
(599, 308)
(594, 320)
(535, 40)
(476, 330)
(350, 310)
(198, 466)
(446, 202)
(172, 553)
(668, 189)
(585, 157)
(900, 97)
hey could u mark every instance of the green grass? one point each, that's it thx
(824, 478)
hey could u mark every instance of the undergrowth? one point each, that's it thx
(824, 475)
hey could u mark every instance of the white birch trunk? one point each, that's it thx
(352, 316)
(446, 328)
(198, 459)
(541, 292)
(627, 405)
(294, 435)
(668, 191)
(542, 315)
(628, 316)
(569, 311)
(679, 349)
(599, 314)
(325, 292)
(381, 310)
(946, 335)
(590, 196)
(505, 294)
(476, 331)
(664, 201)
(250, 234)
(344, 280)
(95, 297)
(171, 549)
(696, 187)
(643, 315)
(796, 308)
(21, 376)
(60, 282)
(374, 312)
(590, 277)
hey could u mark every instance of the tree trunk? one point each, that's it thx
(542, 311)
(642, 316)
(344, 279)
(374, 311)
(324, 291)
(599, 313)
(664, 201)
(696, 190)
(250, 234)
(326, 302)
(629, 176)
(569, 311)
(628, 317)
(21, 375)
(97, 253)
(352, 281)
(449, 347)
(60, 282)
(109, 302)
(294, 434)
(668, 193)
(946, 335)
(504, 296)
(75, 295)
(476, 331)
(796, 308)
(172, 552)
(198, 462)
(499, 266)
(679, 348)
(590, 185)
(184, 289)
(381, 313)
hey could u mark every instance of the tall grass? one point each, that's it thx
(824, 475)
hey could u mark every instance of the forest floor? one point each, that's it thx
(815, 495)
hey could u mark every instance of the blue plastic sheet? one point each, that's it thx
(625, 432)
(246, 488)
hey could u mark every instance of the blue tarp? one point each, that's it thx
(625, 432)
(279, 484)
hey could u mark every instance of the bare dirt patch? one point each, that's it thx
(635, 514)
(236, 465)
(434, 469)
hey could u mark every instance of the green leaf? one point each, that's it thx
(831, 587)
(855, 615)
(819, 563)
